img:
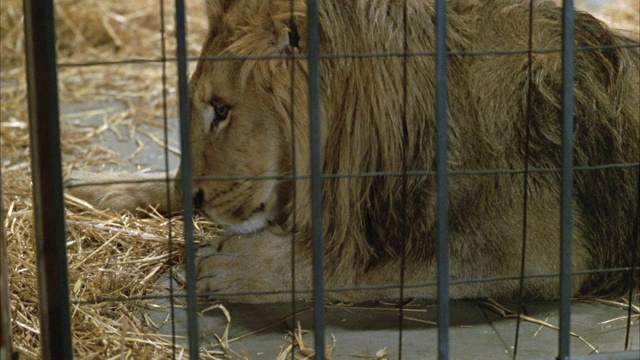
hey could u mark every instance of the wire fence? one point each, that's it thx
(48, 187)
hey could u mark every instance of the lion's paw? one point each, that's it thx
(251, 268)
(98, 192)
(118, 191)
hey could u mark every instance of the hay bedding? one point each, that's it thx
(110, 255)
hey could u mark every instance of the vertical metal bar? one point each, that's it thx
(187, 178)
(294, 167)
(634, 264)
(316, 173)
(165, 127)
(165, 111)
(405, 166)
(46, 169)
(442, 186)
(567, 178)
(525, 185)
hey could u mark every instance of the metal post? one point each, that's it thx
(567, 178)
(48, 207)
(316, 173)
(187, 178)
(442, 186)
(635, 239)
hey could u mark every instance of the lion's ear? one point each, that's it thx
(288, 19)
(294, 35)
(283, 36)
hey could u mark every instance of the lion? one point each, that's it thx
(249, 122)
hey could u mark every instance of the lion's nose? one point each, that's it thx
(198, 199)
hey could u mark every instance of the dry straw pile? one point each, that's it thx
(110, 255)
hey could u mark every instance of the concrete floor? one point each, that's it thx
(477, 331)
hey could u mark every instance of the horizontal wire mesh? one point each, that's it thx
(349, 55)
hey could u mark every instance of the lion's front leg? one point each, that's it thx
(124, 191)
(248, 264)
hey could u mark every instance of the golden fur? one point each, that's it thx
(371, 221)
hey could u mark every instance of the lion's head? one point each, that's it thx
(240, 113)
(249, 112)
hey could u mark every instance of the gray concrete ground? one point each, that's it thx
(477, 331)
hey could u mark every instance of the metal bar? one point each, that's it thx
(313, 57)
(525, 185)
(294, 170)
(376, 174)
(362, 288)
(564, 342)
(405, 165)
(48, 207)
(187, 179)
(442, 175)
(165, 127)
(353, 55)
(634, 264)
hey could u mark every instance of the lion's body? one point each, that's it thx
(375, 118)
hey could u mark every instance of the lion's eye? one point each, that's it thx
(220, 113)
